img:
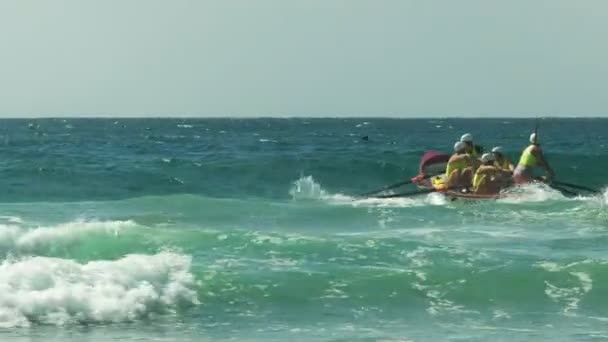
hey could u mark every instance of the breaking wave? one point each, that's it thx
(58, 291)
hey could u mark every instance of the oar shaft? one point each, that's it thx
(396, 185)
(559, 186)
(575, 186)
(564, 191)
(388, 187)
(407, 194)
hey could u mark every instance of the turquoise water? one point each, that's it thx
(251, 230)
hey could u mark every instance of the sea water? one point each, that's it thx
(252, 230)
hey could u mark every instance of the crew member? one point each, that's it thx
(501, 161)
(531, 159)
(472, 149)
(488, 179)
(460, 167)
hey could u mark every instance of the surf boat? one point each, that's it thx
(434, 163)
(431, 178)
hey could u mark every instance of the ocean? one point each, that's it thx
(252, 230)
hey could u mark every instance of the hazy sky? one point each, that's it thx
(303, 58)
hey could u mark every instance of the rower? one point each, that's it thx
(531, 159)
(460, 167)
(472, 149)
(501, 161)
(489, 178)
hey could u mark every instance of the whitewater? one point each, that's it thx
(253, 230)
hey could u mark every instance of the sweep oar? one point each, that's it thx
(407, 194)
(556, 186)
(560, 185)
(393, 186)
(563, 190)
(574, 186)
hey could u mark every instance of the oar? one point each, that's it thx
(393, 186)
(560, 185)
(574, 186)
(407, 194)
(563, 190)
(388, 187)
(556, 186)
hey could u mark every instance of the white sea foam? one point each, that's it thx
(532, 193)
(554, 267)
(13, 236)
(500, 314)
(12, 219)
(570, 296)
(262, 140)
(306, 188)
(59, 291)
(388, 202)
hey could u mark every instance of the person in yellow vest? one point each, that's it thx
(501, 161)
(460, 167)
(531, 159)
(489, 179)
(472, 149)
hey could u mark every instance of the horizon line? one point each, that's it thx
(298, 117)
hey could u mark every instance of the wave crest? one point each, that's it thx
(15, 236)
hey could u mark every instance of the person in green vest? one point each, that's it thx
(531, 160)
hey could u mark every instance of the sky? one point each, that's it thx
(252, 58)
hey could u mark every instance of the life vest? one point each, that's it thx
(459, 164)
(528, 159)
(485, 174)
(504, 165)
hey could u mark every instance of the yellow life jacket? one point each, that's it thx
(527, 158)
(504, 165)
(459, 164)
(478, 179)
(483, 175)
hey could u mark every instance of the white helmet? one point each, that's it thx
(466, 137)
(497, 149)
(487, 157)
(533, 138)
(459, 146)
